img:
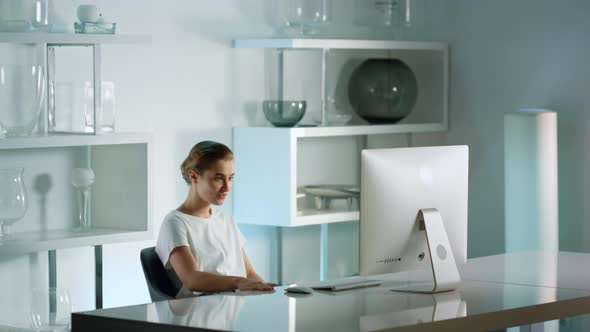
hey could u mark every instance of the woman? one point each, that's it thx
(202, 248)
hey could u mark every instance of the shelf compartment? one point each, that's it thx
(70, 38)
(329, 73)
(300, 43)
(266, 185)
(120, 198)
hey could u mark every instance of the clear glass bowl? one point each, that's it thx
(50, 309)
(284, 113)
(22, 90)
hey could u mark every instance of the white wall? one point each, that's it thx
(507, 55)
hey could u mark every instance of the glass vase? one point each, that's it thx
(13, 200)
(22, 91)
(82, 179)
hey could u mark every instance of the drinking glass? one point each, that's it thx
(307, 16)
(50, 310)
(13, 199)
(43, 15)
(22, 92)
(106, 113)
(82, 179)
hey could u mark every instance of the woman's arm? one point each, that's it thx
(250, 273)
(185, 265)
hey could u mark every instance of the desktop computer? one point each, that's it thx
(413, 214)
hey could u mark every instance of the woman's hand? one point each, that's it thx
(245, 284)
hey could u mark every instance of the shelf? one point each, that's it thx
(73, 140)
(316, 217)
(70, 38)
(29, 242)
(351, 130)
(297, 43)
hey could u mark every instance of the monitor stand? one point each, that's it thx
(442, 261)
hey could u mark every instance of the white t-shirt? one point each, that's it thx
(216, 242)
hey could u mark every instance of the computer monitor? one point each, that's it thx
(398, 183)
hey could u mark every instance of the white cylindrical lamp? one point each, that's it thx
(530, 180)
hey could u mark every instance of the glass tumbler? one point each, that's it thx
(105, 115)
(43, 15)
(50, 309)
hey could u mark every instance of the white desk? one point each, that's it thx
(477, 305)
(536, 268)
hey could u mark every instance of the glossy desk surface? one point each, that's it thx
(476, 305)
(536, 268)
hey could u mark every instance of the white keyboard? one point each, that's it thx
(340, 285)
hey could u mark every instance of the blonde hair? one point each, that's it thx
(202, 156)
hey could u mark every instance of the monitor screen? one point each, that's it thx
(395, 185)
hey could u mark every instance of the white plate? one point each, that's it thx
(332, 190)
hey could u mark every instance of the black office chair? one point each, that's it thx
(159, 285)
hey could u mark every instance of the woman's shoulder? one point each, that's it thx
(173, 218)
(223, 215)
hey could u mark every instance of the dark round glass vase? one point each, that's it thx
(383, 91)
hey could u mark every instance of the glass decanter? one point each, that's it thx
(13, 199)
(82, 179)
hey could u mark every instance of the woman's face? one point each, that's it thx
(214, 184)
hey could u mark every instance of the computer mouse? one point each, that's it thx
(299, 289)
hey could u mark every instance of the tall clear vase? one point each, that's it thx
(82, 179)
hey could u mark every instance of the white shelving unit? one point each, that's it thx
(70, 39)
(120, 198)
(72, 140)
(349, 44)
(274, 203)
(29, 242)
(266, 188)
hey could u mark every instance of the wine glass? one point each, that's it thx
(13, 199)
(50, 309)
(82, 179)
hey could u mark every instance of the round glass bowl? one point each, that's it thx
(383, 91)
(284, 113)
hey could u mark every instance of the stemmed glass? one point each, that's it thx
(82, 179)
(50, 310)
(13, 200)
(307, 16)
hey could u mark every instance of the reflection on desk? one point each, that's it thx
(214, 312)
(444, 306)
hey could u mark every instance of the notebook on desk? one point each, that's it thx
(345, 284)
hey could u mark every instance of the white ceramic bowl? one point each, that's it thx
(88, 13)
